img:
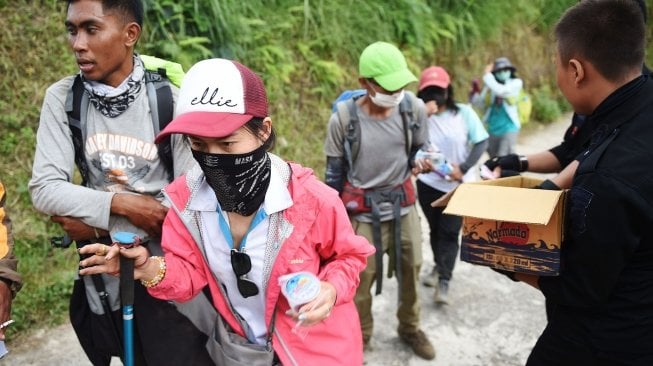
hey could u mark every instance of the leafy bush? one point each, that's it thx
(546, 108)
(307, 53)
(30, 60)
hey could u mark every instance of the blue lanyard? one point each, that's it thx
(226, 231)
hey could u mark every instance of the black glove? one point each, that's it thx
(512, 162)
(508, 173)
(547, 184)
(508, 274)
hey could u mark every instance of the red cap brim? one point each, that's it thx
(205, 124)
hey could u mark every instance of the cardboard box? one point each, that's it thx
(508, 225)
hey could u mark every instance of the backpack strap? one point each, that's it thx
(76, 108)
(159, 95)
(348, 117)
(487, 97)
(409, 113)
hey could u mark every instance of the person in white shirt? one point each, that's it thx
(455, 131)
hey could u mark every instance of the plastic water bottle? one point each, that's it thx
(442, 167)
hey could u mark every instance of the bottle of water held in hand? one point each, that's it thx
(440, 164)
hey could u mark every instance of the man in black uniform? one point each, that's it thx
(604, 293)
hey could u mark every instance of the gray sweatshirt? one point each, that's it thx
(121, 156)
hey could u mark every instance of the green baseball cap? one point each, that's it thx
(384, 63)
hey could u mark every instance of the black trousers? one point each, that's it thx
(444, 231)
(162, 335)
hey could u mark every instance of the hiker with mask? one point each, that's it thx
(122, 170)
(498, 100)
(561, 158)
(10, 279)
(603, 296)
(457, 133)
(372, 171)
(248, 225)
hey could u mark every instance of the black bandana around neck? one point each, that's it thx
(112, 102)
(239, 181)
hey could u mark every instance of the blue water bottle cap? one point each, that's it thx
(125, 237)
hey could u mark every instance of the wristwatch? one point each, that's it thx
(523, 163)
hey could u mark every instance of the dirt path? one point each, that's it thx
(490, 321)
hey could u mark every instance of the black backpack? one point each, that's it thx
(159, 95)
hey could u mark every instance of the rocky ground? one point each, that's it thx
(491, 321)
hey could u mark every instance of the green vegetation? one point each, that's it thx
(33, 54)
(547, 108)
(307, 66)
(305, 51)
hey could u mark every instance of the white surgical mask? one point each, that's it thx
(387, 101)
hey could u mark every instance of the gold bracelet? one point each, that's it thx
(159, 275)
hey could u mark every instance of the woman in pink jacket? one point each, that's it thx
(241, 220)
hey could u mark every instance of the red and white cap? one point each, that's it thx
(434, 76)
(216, 98)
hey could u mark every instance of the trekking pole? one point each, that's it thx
(127, 240)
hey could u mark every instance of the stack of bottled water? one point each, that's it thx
(440, 164)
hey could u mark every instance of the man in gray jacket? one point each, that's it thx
(123, 180)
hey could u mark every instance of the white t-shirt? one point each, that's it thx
(453, 134)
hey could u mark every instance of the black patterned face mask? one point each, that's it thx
(112, 102)
(239, 181)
